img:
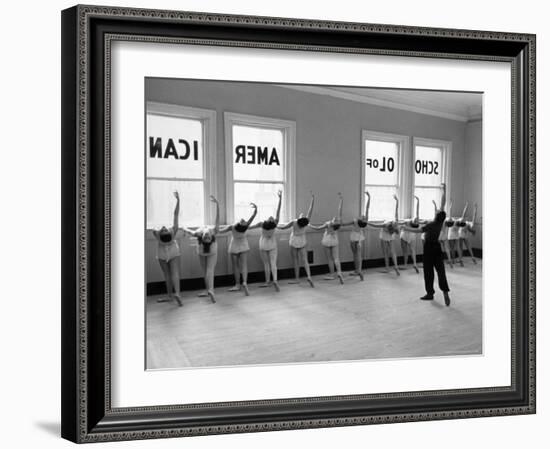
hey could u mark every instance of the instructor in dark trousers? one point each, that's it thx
(433, 256)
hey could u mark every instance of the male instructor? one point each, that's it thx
(433, 256)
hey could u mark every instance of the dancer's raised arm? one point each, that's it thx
(443, 196)
(474, 214)
(417, 214)
(340, 205)
(367, 207)
(278, 213)
(217, 222)
(175, 225)
(310, 210)
(254, 212)
(464, 212)
(396, 215)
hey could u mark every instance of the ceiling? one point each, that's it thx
(461, 106)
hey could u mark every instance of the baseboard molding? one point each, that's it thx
(227, 280)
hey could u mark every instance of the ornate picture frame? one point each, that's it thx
(87, 35)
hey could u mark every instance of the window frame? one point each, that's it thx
(289, 170)
(403, 156)
(209, 136)
(446, 147)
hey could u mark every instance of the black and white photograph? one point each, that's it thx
(301, 223)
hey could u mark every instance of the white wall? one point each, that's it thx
(30, 319)
(328, 156)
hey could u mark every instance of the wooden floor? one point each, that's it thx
(381, 317)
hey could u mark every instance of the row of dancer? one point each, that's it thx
(207, 249)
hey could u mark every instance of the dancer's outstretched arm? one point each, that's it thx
(286, 225)
(318, 227)
(443, 196)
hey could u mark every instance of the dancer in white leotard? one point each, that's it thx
(238, 249)
(331, 243)
(356, 238)
(408, 238)
(168, 255)
(268, 245)
(298, 243)
(207, 250)
(388, 231)
(452, 224)
(465, 229)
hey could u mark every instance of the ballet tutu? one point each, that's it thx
(443, 234)
(463, 232)
(268, 243)
(355, 236)
(329, 240)
(407, 236)
(297, 241)
(386, 236)
(453, 233)
(238, 245)
(168, 251)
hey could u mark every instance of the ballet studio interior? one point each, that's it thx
(290, 223)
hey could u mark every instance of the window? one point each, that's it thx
(382, 167)
(178, 145)
(260, 153)
(429, 172)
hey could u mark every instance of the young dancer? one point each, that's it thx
(388, 231)
(298, 243)
(330, 242)
(356, 238)
(408, 239)
(168, 254)
(465, 229)
(268, 245)
(433, 255)
(238, 248)
(452, 236)
(207, 251)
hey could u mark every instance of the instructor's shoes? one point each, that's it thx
(447, 299)
(427, 297)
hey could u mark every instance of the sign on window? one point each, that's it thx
(174, 147)
(257, 154)
(381, 162)
(428, 168)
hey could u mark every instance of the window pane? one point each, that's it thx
(382, 204)
(257, 154)
(428, 166)
(174, 147)
(265, 197)
(161, 203)
(381, 162)
(425, 196)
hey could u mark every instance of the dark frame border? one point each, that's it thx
(87, 33)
